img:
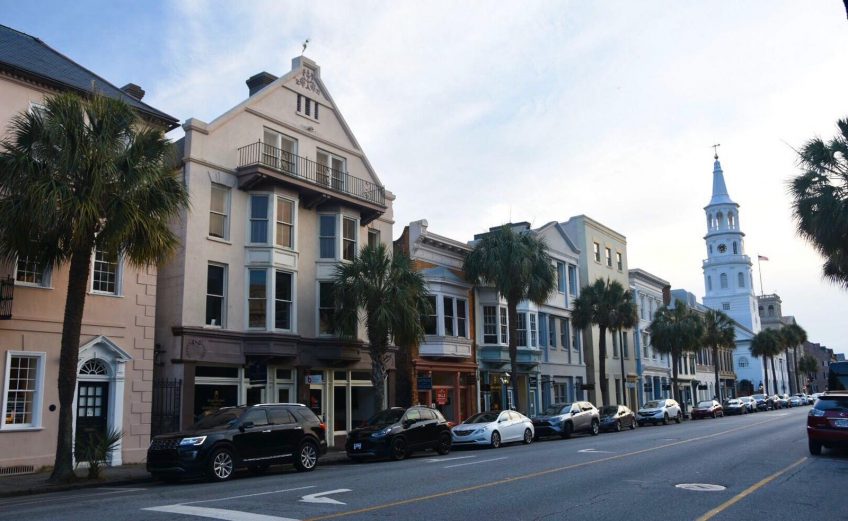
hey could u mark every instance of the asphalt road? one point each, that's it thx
(759, 461)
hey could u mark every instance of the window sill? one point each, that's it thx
(219, 239)
(20, 284)
(102, 294)
(210, 326)
(304, 116)
(20, 429)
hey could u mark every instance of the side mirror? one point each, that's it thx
(408, 423)
(502, 420)
(246, 425)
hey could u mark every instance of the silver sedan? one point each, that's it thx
(492, 428)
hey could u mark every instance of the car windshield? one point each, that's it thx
(705, 405)
(219, 418)
(386, 417)
(483, 417)
(653, 405)
(609, 410)
(733, 402)
(555, 409)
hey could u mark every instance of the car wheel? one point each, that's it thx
(715, 415)
(307, 457)
(665, 419)
(444, 445)
(221, 464)
(632, 424)
(496, 440)
(398, 449)
(815, 447)
(679, 417)
(528, 437)
(566, 430)
(596, 427)
(617, 426)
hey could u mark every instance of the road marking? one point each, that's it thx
(75, 497)
(473, 462)
(701, 487)
(439, 460)
(247, 495)
(318, 497)
(522, 477)
(748, 491)
(217, 513)
(595, 451)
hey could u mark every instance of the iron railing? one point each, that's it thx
(7, 294)
(165, 413)
(285, 162)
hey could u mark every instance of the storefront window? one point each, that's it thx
(340, 408)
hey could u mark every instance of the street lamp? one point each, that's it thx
(505, 380)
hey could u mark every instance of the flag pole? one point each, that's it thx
(760, 269)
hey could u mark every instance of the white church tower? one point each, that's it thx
(728, 277)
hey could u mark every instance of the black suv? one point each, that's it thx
(252, 436)
(397, 432)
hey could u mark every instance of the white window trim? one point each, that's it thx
(356, 242)
(273, 303)
(330, 157)
(38, 399)
(46, 278)
(119, 278)
(269, 217)
(337, 238)
(294, 223)
(440, 315)
(318, 332)
(228, 208)
(268, 299)
(223, 323)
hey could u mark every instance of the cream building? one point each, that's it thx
(281, 194)
(115, 370)
(603, 255)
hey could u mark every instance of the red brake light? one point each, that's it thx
(451, 424)
(323, 426)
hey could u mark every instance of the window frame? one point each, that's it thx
(263, 299)
(619, 261)
(225, 213)
(292, 224)
(596, 249)
(334, 237)
(318, 309)
(372, 233)
(223, 296)
(345, 240)
(46, 275)
(432, 316)
(38, 392)
(561, 281)
(521, 331)
(573, 284)
(492, 324)
(339, 183)
(119, 275)
(292, 300)
(269, 207)
(608, 256)
(504, 325)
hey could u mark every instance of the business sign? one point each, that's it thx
(425, 383)
(314, 379)
(442, 396)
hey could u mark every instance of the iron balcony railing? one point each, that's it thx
(7, 294)
(260, 153)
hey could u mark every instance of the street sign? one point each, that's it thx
(630, 385)
(425, 383)
(314, 379)
(442, 396)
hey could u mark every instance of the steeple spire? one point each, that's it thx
(720, 195)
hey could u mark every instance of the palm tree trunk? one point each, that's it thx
(602, 365)
(512, 312)
(774, 376)
(378, 375)
(407, 392)
(715, 369)
(63, 466)
(765, 374)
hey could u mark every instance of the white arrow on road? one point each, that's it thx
(319, 497)
(596, 451)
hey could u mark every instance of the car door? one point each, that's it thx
(253, 439)
(413, 428)
(516, 428)
(430, 426)
(577, 417)
(587, 414)
(286, 431)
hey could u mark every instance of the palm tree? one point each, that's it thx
(719, 332)
(808, 365)
(607, 305)
(766, 344)
(819, 201)
(79, 175)
(393, 297)
(675, 331)
(518, 266)
(793, 336)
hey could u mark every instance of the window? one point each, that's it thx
(22, 390)
(735, 248)
(461, 318)
(280, 416)
(373, 238)
(259, 219)
(504, 327)
(559, 393)
(552, 332)
(331, 170)
(624, 345)
(348, 238)
(279, 151)
(709, 283)
(614, 344)
(257, 298)
(740, 279)
(283, 300)
(216, 283)
(522, 329)
(429, 321)
(608, 256)
(563, 333)
(743, 362)
(575, 337)
(455, 316)
(105, 273)
(771, 310)
(327, 236)
(723, 280)
(258, 416)
(596, 248)
(325, 308)
(285, 223)
(490, 325)
(618, 262)
(219, 208)
(447, 302)
(307, 106)
(560, 271)
(29, 271)
(572, 279)
(642, 306)
(725, 306)
(534, 342)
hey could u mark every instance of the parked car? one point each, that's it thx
(735, 406)
(253, 436)
(827, 422)
(797, 400)
(764, 402)
(492, 428)
(659, 411)
(565, 419)
(397, 432)
(707, 409)
(750, 403)
(815, 396)
(781, 401)
(616, 417)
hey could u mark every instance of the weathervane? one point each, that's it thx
(715, 147)
(305, 43)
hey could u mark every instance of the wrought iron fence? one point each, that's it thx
(7, 294)
(165, 415)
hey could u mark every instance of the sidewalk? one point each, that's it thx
(132, 474)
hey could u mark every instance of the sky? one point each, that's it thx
(479, 113)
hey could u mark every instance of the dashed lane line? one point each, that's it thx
(474, 462)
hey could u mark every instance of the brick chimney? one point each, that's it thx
(133, 90)
(259, 81)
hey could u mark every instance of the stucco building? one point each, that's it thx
(649, 292)
(770, 308)
(281, 194)
(115, 370)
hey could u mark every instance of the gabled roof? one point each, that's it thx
(29, 57)
(558, 227)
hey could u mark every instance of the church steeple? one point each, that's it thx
(720, 195)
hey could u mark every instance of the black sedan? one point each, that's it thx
(397, 432)
(617, 417)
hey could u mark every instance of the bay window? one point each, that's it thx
(348, 238)
(490, 324)
(259, 219)
(283, 300)
(257, 294)
(285, 223)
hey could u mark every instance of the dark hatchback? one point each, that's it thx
(616, 417)
(397, 432)
(254, 436)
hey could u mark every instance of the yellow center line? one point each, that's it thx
(748, 491)
(531, 475)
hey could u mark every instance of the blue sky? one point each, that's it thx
(477, 113)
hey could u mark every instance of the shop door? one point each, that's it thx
(316, 402)
(284, 394)
(92, 407)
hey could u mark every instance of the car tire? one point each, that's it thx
(496, 440)
(307, 457)
(596, 427)
(221, 464)
(528, 437)
(444, 445)
(617, 427)
(715, 415)
(397, 449)
(815, 447)
(679, 417)
(567, 428)
(632, 425)
(665, 419)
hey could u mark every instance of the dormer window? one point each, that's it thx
(307, 107)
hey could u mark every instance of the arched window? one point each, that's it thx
(741, 278)
(93, 367)
(735, 248)
(771, 310)
(731, 220)
(723, 279)
(709, 283)
(711, 249)
(761, 311)
(709, 220)
(743, 362)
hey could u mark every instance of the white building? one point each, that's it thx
(653, 368)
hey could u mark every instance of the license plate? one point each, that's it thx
(357, 446)
(841, 423)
